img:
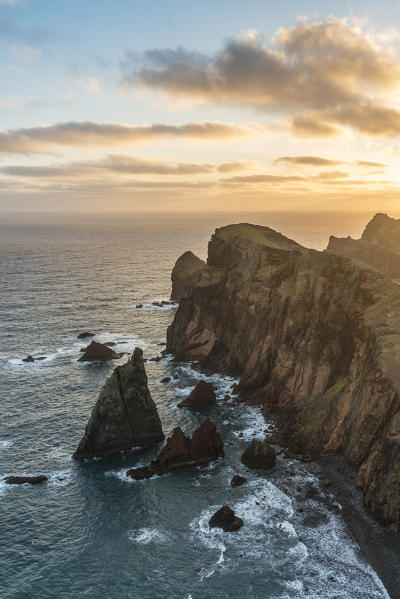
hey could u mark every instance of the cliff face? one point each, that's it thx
(379, 245)
(124, 415)
(315, 337)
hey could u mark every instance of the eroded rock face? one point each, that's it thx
(315, 338)
(205, 446)
(202, 395)
(225, 518)
(124, 415)
(379, 245)
(98, 352)
(259, 454)
(186, 273)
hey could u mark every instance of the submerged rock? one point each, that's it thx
(98, 352)
(21, 480)
(124, 415)
(259, 454)
(237, 481)
(203, 394)
(85, 335)
(225, 518)
(205, 446)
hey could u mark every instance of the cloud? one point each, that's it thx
(10, 101)
(263, 179)
(316, 161)
(327, 75)
(80, 134)
(368, 164)
(90, 84)
(230, 167)
(25, 53)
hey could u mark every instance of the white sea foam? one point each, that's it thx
(153, 307)
(147, 535)
(61, 478)
(6, 443)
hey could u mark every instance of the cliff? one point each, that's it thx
(315, 338)
(379, 245)
(124, 415)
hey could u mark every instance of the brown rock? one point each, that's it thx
(205, 446)
(21, 480)
(85, 335)
(259, 454)
(28, 359)
(98, 352)
(225, 518)
(202, 395)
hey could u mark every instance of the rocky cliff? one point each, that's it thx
(315, 338)
(124, 415)
(379, 245)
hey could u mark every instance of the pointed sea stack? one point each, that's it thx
(125, 414)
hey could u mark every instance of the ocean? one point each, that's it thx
(89, 531)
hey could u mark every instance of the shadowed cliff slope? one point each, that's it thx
(315, 337)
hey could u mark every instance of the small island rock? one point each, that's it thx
(225, 518)
(203, 394)
(259, 454)
(98, 352)
(21, 480)
(85, 335)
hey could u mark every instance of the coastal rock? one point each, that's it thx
(205, 446)
(166, 379)
(28, 359)
(259, 454)
(379, 245)
(225, 518)
(238, 481)
(202, 395)
(21, 480)
(124, 415)
(85, 335)
(315, 339)
(98, 352)
(186, 273)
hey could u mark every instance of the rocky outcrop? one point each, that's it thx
(21, 480)
(238, 481)
(205, 446)
(85, 335)
(202, 395)
(379, 245)
(259, 454)
(186, 273)
(98, 352)
(124, 415)
(225, 518)
(32, 359)
(315, 339)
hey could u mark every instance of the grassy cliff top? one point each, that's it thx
(258, 234)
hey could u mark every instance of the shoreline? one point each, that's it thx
(379, 545)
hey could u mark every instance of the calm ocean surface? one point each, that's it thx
(91, 533)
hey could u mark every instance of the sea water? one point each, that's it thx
(89, 531)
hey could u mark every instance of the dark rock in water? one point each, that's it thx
(185, 274)
(203, 394)
(85, 335)
(225, 518)
(205, 446)
(166, 379)
(21, 480)
(28, 359)
(40, 358)
(259, 454)
(237, 481)
(124, 416)
(139, 305)
(98, 352)
(155, 359)
(110, 343)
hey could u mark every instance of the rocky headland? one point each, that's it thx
(124, 415)
(315, 339)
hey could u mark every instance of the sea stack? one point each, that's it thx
(124, 415)
(186, 273)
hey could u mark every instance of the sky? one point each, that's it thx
(179, 106)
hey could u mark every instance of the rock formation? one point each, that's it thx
(98, 352)
(259, 454)
(315, 338)
(186, 273)
(85, 335)
(238, 481)
(205, 446)
(21, 480)
(225, 518)
(202, 395)
(32, 359)
(379, 245)
(124, 415)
